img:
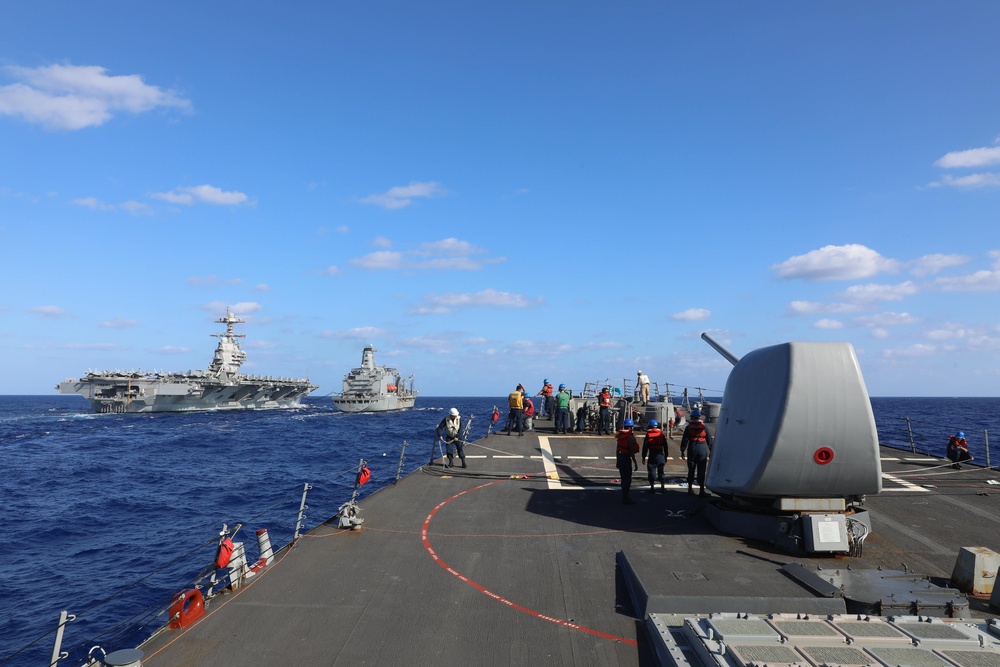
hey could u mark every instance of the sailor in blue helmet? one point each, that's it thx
(697, 444)
(958, 450)
(561, 424)
(545, 407)
(626, 450)
(654, 447)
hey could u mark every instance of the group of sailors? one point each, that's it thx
(696, 445)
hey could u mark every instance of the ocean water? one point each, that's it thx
(108, 516)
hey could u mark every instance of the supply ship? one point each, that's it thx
(374, 388)
(220, 387)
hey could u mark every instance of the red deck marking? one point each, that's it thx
(499, 598)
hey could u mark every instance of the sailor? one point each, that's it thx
(561, 424)
(515, 417)
(450, 432)
(654, 448)
(545, 408)
(604, 401)
(627, 448)
(699, 440)
(529, 414)
(643, 384)
(958, 450)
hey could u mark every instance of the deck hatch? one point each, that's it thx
(973, 658)
(773, 656)
(845, 656)
(869, 630)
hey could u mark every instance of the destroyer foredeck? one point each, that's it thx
(518, 560)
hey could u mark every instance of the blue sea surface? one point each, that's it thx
(108, 516)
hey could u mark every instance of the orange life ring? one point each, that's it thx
(187, 608)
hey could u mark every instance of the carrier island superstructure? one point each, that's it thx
(219, 387)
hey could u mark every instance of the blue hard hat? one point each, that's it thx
(546, 381)
(961, 434)
(654, 424)
(628, 423)
(696, 413)
(562, 386)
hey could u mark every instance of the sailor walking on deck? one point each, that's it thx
(654, 447)
(699, 440)
(627, 448)
(450, 431)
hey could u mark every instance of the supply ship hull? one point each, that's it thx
(374, 388)
(220, 387)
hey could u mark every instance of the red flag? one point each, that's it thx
(363, 476)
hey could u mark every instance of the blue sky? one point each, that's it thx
(495, 193)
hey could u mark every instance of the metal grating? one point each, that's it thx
(932, 631)
(733, 628)
(870, 629)
(772, 656)
(805, 628)
(914, 657)
(838, 655)
(973, 658)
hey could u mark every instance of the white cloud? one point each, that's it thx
(331, 270)
(357, 333)
(133, 207)
(828, 324)
(262, 287)
(980, 281)
(446, 303)
(845, 262)
(118, 323)
(48, 311)
(930, 264)
(879, 332)
(72, 97)
(242, 308)
(987, 179)
(91, 346)
(381, 242)
(915, 350)
(380, 260)
(172, 349)
(873, 292)
(450, 253)
(691, 315)
(887, 319)
(948, 331)
(206, 194)
(816, 308)
(402, 196)
(973, 157)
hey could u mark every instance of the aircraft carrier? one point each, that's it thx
(220, 387)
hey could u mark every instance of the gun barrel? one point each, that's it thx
(727, 355)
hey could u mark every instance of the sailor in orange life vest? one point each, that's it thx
(604, 401)
(697, 437)
(654, 447)
(451, 427)
(958, 450)
(627, 448)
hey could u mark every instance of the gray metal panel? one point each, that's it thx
(782, 405)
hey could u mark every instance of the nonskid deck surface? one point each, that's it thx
(513, 561)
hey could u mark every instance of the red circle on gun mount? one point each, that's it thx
(823, 455)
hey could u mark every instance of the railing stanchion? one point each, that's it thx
(302, 508)
(986, 443)
(399, 468)
(57, 654)
(909, 431)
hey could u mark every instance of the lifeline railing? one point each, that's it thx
(138, 628)
(908, 434)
